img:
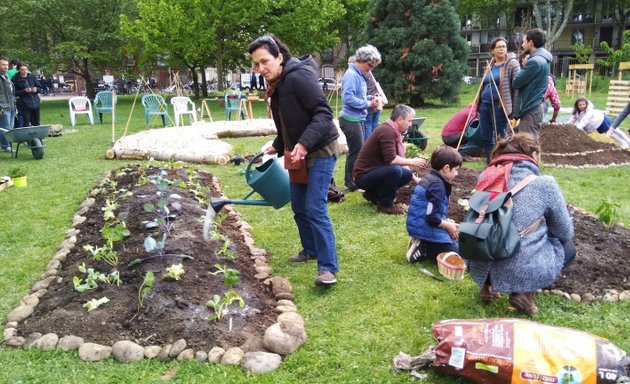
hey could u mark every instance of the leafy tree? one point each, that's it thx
(620, 9)
(350, 27)
(79, 35)
(616, 56)
(306, 26)
(423, 54)
(583, 53)
(170, 30)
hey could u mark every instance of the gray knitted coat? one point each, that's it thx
(539, 261)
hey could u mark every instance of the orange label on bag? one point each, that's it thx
(541, 356)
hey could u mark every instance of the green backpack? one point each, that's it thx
(487, 232)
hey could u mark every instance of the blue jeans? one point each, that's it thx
(619, 119)
(354, 138)
(371, 122)
(490, 122)
(310, 212)
(6, 121)
(382, 182)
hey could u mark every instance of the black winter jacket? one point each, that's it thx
(307, 115)
(26, 100)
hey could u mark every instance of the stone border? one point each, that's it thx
(554, 165)
(281, 338)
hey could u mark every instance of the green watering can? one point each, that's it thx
(270, 180)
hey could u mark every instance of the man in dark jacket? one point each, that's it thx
(531, 82)
(7, 102)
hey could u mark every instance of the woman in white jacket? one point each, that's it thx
(588, 119)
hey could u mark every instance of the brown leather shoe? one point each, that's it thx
(393, 210)
(486, 294)
(524, 302)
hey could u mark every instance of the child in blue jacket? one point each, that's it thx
(427, 223)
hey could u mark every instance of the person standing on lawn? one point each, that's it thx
(355, 104)
(382, 167)
(304, 121)
(495, 98)
(531, 82)
(7, 103)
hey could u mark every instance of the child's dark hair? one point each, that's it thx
(575, 105)
(445, 155)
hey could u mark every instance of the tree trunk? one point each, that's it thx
(195, 79)
(204, 83)
(620, 22)
(84, 71)
(554, 31)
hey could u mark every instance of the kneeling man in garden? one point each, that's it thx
(381, 167)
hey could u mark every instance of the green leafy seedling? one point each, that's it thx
(608, 213)
(145, 288)
(174, 272)
(231, 276)
(95, 303)
(220, 305)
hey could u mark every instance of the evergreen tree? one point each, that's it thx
(423, 54)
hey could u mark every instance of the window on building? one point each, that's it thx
(577, 37)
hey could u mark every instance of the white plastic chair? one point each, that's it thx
(182, 105)
(80, 105)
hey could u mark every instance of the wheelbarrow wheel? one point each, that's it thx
(37, 148)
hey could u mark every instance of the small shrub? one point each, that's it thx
(608, 213)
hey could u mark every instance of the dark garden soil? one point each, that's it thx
(173, 309)
(565, 145)
(601, 262)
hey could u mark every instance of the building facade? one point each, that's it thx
(589, 23)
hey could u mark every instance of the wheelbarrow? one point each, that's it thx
(415, 136)
(270, 180)
(31, 137)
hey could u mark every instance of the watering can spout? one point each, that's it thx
(218, 204)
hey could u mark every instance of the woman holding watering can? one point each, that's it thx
(306, 131)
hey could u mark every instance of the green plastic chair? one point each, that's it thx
(154, 105)
(231, 103)
(103, 103)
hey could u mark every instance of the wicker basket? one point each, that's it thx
(451, 265)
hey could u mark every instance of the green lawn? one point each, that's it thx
(380, 306)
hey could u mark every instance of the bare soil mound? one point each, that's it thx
(563, 145)
(172, 309)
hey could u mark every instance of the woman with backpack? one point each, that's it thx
(548, 245)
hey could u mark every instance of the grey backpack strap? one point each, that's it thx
(522, 184)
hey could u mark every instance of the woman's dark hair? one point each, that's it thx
(272, 44)
(20, 65)
(494, 42)
(520, 143)
(575, 105)
(445, 155)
